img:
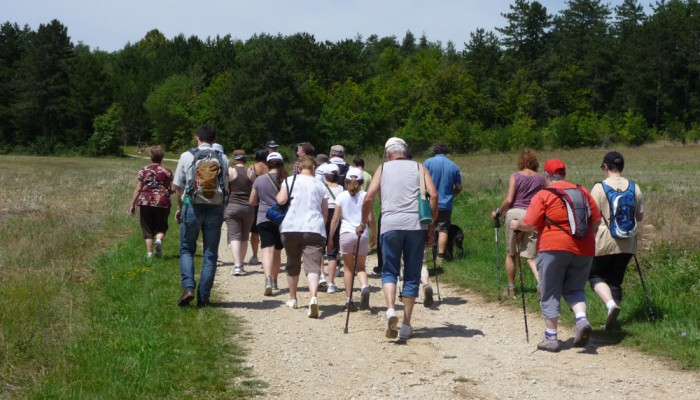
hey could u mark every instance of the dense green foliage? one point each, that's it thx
(590, 75)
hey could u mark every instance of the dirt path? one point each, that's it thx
(463, 348)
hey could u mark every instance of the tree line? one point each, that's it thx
(590, 75)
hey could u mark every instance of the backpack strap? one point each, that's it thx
(329, 190)
(549, 222)
(273, 182)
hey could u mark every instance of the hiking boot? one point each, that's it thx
(313, 308)
(253, 261)
(268, 286)
(611, 321)
(292, 304)
(427, 295)
(364, 298)
(350, 305)
(274, 285)
(405, 333)
(392, 324)
(332, 288)
(186, 297)
(158, 245)
(551, 345)
(237, 271)
(582, 332)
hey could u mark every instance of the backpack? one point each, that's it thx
(578, 209)
(206, 181)
(622, 223)
(342, 172)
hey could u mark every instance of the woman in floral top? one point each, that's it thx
(152, 195)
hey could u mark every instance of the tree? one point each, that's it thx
(108, 135)
(169, 107)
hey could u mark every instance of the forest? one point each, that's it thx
(591, 75)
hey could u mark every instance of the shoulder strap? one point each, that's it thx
(421, 172)
(273, 182)
(329, 190)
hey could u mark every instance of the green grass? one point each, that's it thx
(82, 315)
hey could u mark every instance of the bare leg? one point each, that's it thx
(510, 269)
(408, 303)
(332, 266)
(254, 243)
(236, 253)
(313, 284)
(293, 283)
(389, 290)
(149, 245)
(603, 291)
(533, 267)
(276, 262)
(442, 242)
(267, 260)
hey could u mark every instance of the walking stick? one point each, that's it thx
(496, 225)
(435, 250)
(352, 283)
(650, 311)
(522, 285)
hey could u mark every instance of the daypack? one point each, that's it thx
(206, 181)
(342, 173)
(622, 222)
(578, 210)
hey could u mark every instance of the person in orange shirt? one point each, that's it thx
(563, 259)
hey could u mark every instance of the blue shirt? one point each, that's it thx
(446, 175)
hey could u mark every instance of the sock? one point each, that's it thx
(580, 316)
(158, 241)
(610, 304)
(511, 286)
(149, 254)
(550, 333)
(363, 287)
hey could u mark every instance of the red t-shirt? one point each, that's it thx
(546, 203)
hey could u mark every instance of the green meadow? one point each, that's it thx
(85, 316)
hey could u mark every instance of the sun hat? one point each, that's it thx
(555, 166)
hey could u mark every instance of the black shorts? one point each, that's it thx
(443, 222)
(153, 220)
(270, 235)
(254, 228)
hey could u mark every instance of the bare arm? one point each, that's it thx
(137, 191)
(368, 202)
(282, 195)
(337, 214)
(254, 199)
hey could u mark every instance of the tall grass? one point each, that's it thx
(669, 177)
(82, 315)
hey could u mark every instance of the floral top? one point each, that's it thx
(156, 180)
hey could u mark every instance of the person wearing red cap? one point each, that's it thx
(563, 260)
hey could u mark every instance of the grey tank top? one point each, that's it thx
(525, 188)
(400, 186)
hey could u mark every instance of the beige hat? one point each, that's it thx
(394, 141)
(337, 150)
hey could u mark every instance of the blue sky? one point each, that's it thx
(109, 25)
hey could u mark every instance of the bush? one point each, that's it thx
(107, 138)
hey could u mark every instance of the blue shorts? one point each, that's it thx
(410, 244)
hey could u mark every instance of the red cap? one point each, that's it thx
(555, 166)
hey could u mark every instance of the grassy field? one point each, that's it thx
(83, 315)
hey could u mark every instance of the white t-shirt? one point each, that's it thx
(351, 207)
(336, 191)
(305, 212)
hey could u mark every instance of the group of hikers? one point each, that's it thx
(324, 209)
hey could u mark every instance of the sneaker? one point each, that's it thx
(551, 345)
(364, 298)
(186, 297)
(322, 281)
(392, 324)
(313, 308)
(427, 295)
(377, 270)
(611, 321)
(253, 261)
(332, 288)
(292, 304)
(158, 245)
(268, 286)
(274, 284)
(405, 333)
(582, 332)
(510, 292)
(339, 272)
(237, 271)
(351, 305)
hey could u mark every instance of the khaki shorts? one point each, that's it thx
(528, 240)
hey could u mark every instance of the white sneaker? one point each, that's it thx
(238, 271)
(321, 281)
(313, 308)
(332, 288)
(292, 303)
(392, 330)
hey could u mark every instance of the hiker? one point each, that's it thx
(263, 195)
(303, 149)
(335, 157)
(258, 168)
(563, 259)
(272, 146)
(398, 183)
(304, 230)
(200, 182)
(239, 214)
(347, 214)
(152, 195)
(448, 181)
(359, 163)
(331, 173)
(612, 254)
(522, 185)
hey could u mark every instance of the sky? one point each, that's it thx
(110, 25)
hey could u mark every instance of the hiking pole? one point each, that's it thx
(496, 225)
(522, 285)
(435, 250)
(352, 284)
(650, 310)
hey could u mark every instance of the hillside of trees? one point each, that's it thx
(590, 75)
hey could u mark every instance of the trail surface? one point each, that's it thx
(463, 348)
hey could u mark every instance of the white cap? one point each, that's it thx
(331, 168)
(274, 156)
(353, 172)
(394, 141)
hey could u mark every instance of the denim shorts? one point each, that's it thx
(408, 244)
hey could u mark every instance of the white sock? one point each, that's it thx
(610, 304)
(580, 315)
(158, 241)
(149, 254)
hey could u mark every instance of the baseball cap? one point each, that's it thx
(555, 166)
(614, 158)
(271, 143)
(331, 168)
(394, 141)
(239, 154)
(218, 148)
(353, 172)
(274, 156)
(337, 150)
